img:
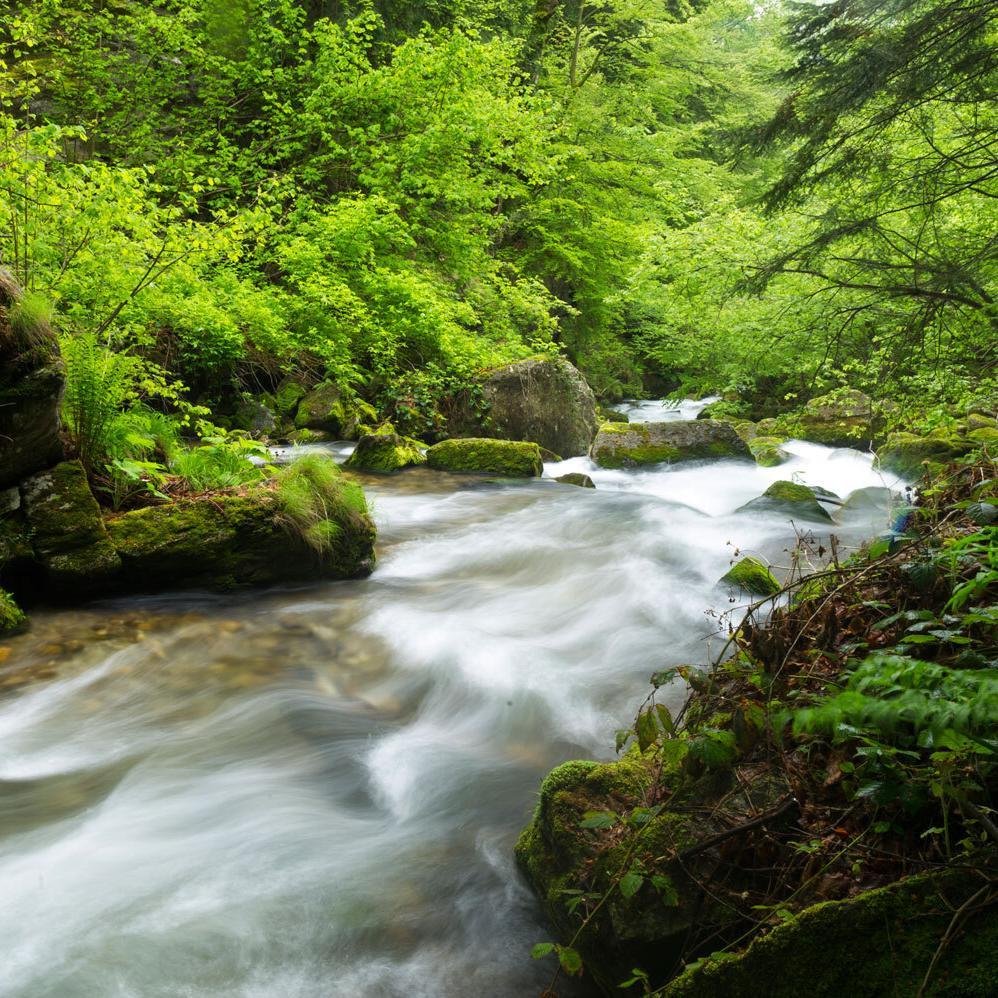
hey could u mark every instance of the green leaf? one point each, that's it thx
(541, 950)
(571, 961)
(598, 819)
(630, 883)
(646, 729)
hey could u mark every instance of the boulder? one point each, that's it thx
(768, 451)
(515, 459)
(794, 500)
(32, 381)
(255, 416)
(233, 541)
(605, 415)
(619, 445)
(12, 617)
(751, 576)
(841, 419)
(384, 453)
(287, 396)
(67, 531)
(576, 478)
(327, 409)
(545, 401)
(686, 890)
(905, 453)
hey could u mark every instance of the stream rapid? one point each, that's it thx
(314, 791)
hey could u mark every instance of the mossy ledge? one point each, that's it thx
(509, 458)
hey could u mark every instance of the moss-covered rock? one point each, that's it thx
(751, 576)
(607, 415)
(576, 478)
(287, 396)
(232, 541)
(984, 436)
(67, 531)
(789, 498)
(384, 453)
(905, 453)
(544, 400)
(254, 415)
(768, 451)
(647, 929)
(879, 943)
(328, 409)
(619, 445)
(12, 618)
(840, 419)
(512, 458)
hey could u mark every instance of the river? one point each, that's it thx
(313, 792)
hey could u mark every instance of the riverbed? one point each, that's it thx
(313, 791)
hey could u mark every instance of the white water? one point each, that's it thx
(315, 791)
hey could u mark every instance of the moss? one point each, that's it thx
(231, 541)
(791, 498)
(878, 943)
(984, 436)
(840, 419)
(289, 394)
(67, 531)
(620, 445)
(385, 453)
(905, 453)
(768, 451)
(12, 618)
(510, 458)
(752, 576)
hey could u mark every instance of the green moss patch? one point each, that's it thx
(385, 453)
(509, 458)
(752, 576)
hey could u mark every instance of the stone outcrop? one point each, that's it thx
(544, 401)
(841, 419)
(620, 445)
(789, 499)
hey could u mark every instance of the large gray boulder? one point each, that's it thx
(546, 402)
(32, 381)
(627, 445)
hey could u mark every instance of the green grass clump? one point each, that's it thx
(12, 617)
(316, 500)
(214, 467)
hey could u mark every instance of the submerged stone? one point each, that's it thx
(576, 478)
(795, 500)
(752, 576)
(768, 451)
(385, 453)
(67, 531)
(510, 458)
(619, 445)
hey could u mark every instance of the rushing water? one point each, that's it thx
(315, 791)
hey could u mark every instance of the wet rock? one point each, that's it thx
(840, 419)
(547, 402)
(795, 500)
(289, 393)
(605, 415)
(750, 575)
(32, 381)
(385, 452)
(768, 451)
(514, 459)
(234, 541)
(576, 478)
(870, 497)
(67, 531)
(624, 446)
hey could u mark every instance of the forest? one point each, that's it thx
(257, 256)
